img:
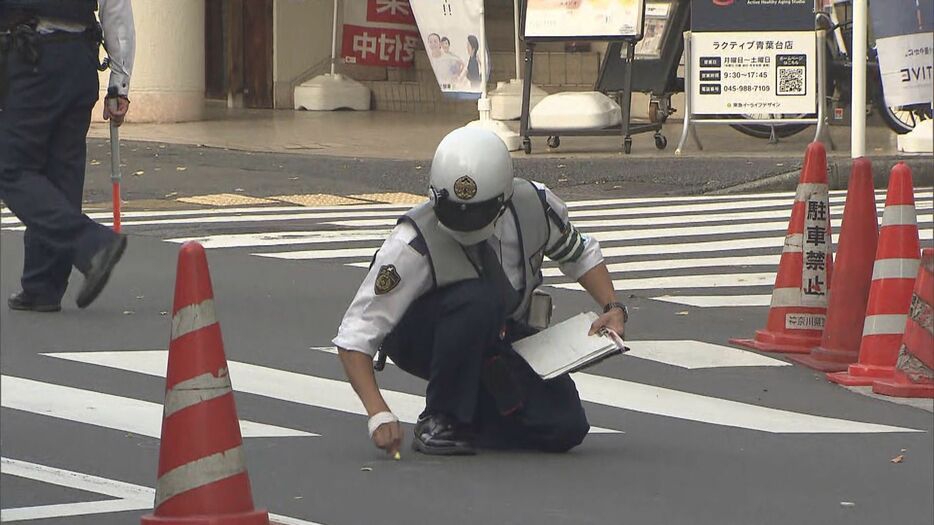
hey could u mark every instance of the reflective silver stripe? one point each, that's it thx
(793, 243)
(786, 297)
(195, 390)
(895, 269)
(899, 215)
(885, 324)
(199, 473)
(193, 317)
(806, 189)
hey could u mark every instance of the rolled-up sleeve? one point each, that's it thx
(576, 253)
(375, 311)
(119, 41)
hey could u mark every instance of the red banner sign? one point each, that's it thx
(377, 46)
(389, 11)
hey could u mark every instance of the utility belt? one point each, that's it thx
(22, 37)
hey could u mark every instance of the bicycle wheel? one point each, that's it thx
(902, 119)
(764, 131)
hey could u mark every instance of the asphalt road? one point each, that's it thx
(704, 434)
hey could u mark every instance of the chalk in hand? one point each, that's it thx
(398, 456)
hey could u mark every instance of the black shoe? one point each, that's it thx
(28, 303)
(441, 436)
(102, 264)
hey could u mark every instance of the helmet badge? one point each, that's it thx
(465, 188)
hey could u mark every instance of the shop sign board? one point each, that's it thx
(905, 43)
(657, 16)
(753, 73)
(752, 15)
(585, 19)
(378, 33)
(450, 30)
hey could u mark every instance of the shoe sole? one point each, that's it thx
(91, 295)
(39, 309)
(417, 446)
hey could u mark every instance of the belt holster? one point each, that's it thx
(498, 379)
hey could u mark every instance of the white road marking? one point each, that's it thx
(672, 264)
(67, 510)
(138, 495)
(338, 395)
(697, 354)
(269, 382)
(241, 240)
(105, 410)
(304, 255)
(685, 281)
(716, 301)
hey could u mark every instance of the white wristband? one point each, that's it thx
(378, 420)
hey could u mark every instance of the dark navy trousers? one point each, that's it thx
(447, 336)
(43, 129)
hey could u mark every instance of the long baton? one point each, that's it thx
(115, 175)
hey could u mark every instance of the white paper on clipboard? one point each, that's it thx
(566, 347)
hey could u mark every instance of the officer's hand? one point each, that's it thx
(614, 320)
(116, 112)
(388, 437)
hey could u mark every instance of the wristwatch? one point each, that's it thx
(621, 306)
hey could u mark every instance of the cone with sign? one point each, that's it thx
(799, 299)
(893, 279)
(202, 475)
(853, 263)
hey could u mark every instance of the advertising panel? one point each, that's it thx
(450, 30)
(592, 19)
(752, 15)
(753, 73)
(905, 43)
(378, 33)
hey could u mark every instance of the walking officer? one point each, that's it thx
(451, 288)
(48, 87)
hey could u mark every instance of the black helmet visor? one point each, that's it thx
(467, 217)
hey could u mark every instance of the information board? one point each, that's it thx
(753, 73)
(584, 19)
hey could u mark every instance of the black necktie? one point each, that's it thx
(491, 270)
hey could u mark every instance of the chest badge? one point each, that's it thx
(465, 188)
(386, 280)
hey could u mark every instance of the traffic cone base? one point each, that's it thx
(861, 375)
(900, 386)
(766, 341)
(256, 517)
(826, 360)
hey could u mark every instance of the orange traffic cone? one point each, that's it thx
(893, 278)
(202, 476)
(849, 291)
(914, 367)
(799, 299)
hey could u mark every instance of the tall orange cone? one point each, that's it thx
(849, 291)
(893, 278)
(202, 476)
(799, 298)
(914, 367)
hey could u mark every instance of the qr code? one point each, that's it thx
(791, 75)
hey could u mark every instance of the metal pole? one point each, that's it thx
(858, 55)
(115, 176)
(516, 8)
(483, 105)
(334, 39)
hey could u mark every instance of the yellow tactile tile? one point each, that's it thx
(392, 198)
(225, 199)
(317, 199)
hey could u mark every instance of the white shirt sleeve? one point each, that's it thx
(119, 41)
(575, 253)
(371, 315)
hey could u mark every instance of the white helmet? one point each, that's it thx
(471, 182)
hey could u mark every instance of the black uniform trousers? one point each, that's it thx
(43, 129)
(447, 337)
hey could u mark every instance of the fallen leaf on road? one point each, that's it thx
(898, 459)
(847, 504)
(298, 497)
(682, 313)
(139, 173)
(128, 312)
(95, 162)
(418, 167)
(140, 296)
(366, 469)
(180, 168)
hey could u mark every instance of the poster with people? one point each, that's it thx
(450, 31)
(905, 43)
(598, 19)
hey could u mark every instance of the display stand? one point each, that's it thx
(623, 97)
(692, 119)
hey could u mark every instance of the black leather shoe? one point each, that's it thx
(441, 436)
(28, 303)
(102, 264)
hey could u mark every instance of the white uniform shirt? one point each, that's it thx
(371, 317)
(119, 38)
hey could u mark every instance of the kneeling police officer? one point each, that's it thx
(450, 290)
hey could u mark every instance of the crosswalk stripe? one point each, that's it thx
(655, 400)
(714, 301)
(727, 280)
(105, 410)
(342, 253)
(241, 240)
(674, 264)
(707, 198)
(694, 355)
(269, 382)
(339, 395)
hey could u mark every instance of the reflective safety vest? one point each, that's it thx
(78, 11)
(450, 263)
